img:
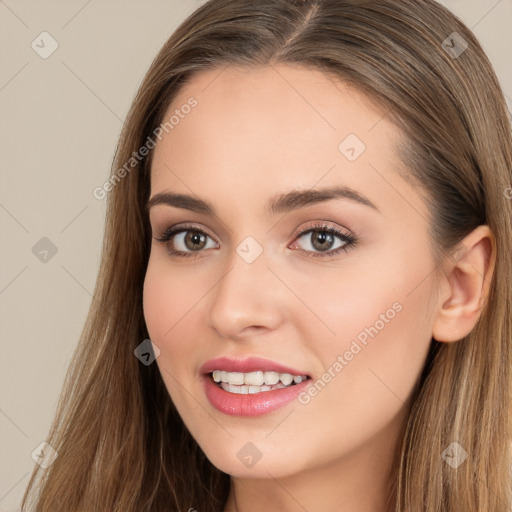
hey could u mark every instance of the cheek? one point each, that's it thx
(383, 329)
(168, 297)
(361, 302)
(157, 302)
(173, 302)
(378, 315)
(166, 306)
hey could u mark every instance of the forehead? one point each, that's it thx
(280, 94)
(274, 128)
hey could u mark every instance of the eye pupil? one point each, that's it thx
(322, 237)
(195, 238)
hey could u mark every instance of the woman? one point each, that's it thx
(304, 300)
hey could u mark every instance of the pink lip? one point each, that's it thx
(254, 404)
(250, 405)
(251, 364)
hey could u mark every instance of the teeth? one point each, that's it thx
(259, 379)
(252, 379)
(271, 378)
(249, 390)
(286, 378)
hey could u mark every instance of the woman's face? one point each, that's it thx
(349, 304)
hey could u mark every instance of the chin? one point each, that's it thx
(244, 460)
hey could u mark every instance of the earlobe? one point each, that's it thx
(466, 281)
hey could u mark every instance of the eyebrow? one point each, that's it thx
(282, 203)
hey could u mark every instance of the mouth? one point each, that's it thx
(254, 382)
(251, 387)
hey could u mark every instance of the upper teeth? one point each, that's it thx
(258, 378)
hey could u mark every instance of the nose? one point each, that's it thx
(247, 300)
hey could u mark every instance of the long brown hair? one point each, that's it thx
(121, 444)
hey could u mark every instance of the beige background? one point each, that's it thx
(60, 119)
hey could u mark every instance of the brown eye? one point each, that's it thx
(321, 241)
(185, 241)
(194, 240)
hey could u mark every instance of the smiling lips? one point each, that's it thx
(254, 382)
(250, 387)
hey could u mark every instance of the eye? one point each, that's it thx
(185, 241)
(321, 240)
(189, 241)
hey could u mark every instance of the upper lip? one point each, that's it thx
(250, 364)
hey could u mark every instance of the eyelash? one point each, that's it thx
(349, 240)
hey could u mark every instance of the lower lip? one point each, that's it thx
(254, 404)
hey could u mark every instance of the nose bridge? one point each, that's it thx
(245, 295)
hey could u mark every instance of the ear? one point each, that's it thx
(465, 285)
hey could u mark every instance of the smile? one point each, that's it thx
(251, 387)
(255, 382)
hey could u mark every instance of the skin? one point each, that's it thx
(254, 134)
